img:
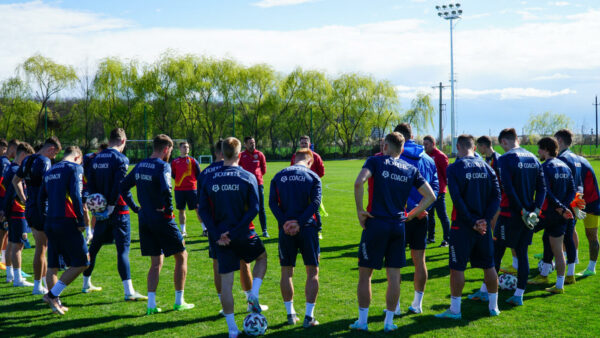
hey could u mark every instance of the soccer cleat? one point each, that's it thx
(292, 319)
(555, 290)
(221, 313)
(22, 283)
(514, 300)
(64, 308)
(54, 305)
(205, 233)
(154, 310)
(414, 310)
(183, 306)
(479, 295)
(184, 234)
(570, 280)
(41, 291)
(253, 304)
(92, 288)
(509, 270)
(586, 273)
(494, 312)
(444, 244)
(2, 266)
(397, 312)
(234, 334)
(25, 274)
(309, 322)
(262, 307)
(266, 234)
(320, 235)
(359, 327)
(9, 280)
(390, 327)
(538, 256)
(449, 315)
(537, 280)
(134, 296)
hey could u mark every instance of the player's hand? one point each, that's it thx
(423, 214)
(24, 236)
(565, 213)
(480, 226)
(362, 217)
(412, 215)
(578, 201)
(291, 227)
(224, 240)
(579, 214)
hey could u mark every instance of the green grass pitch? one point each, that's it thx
(574, 313)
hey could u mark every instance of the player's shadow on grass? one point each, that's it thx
(339, 247)
(439, 272)
(204, 241)
(44, 328)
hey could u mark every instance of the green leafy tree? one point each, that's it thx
(420, 115)
(547, 123)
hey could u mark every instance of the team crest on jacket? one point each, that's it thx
(283, 179)
(215, 187)
(520, 165)
(255, 156)
(385, 174)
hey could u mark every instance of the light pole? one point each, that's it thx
(451, 12)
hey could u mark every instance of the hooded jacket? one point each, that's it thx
(415, 154)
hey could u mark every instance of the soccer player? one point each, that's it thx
(441, 163)
(475, 197)
(228, 202)
(294, 199)
(90, 224)
(109, 168)
(255, 162)
(61, 191)
(30, 175)
(4, 164)
(591, 195)
(565, 139)
(416, 228)
(560, 191)
(13, 210)
(159, 235)
(185, 170)
(524, 192)
(382, 239)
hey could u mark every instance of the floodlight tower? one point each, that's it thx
(451, 12)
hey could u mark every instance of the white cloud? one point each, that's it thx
(277, 3)
(409, 92)
(560, 3)
(555, 76)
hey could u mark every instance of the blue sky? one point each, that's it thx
(512, 58)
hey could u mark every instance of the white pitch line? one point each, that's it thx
(334, 189)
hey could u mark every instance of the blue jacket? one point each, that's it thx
(415, 154)
(574, 163)
(62, 187)
(32, 171)
(560, 186)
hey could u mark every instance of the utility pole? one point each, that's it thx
(596, 104)
(441, 136)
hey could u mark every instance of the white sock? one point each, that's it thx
(248, 293)
(256, 283)
(389, 318)
(310, 310)
(58, 288)
(16, 274)
(36, 284)
(88, 231)
(9, 273)
(398, 306)
(182, 227)
(519, 292)
(87, 281)
(455, 304)
(592, 266)
(44, 282)
(560, 282)
(178, 297)
(493, 298)
(546, 268)
(289, 307)
(515, 262)
(418, 300)
(483, 288)
(128, 287)
(571, 269)
(3, 256)
(363, 315)
(231, 325)
(203, 226)
(151, 300)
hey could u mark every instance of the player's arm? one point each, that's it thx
(205, 213)
(315, 202)
(319, 166)
(274, 203)
(75, 184)
(553, 201)
(359, 192)
(9, 196)
(540, 189)
(434, 182)
(428, 198)
(493, 204)
(173, 170)
(165, 191)
(127, 197)
(507, 185)
(456, 196)
(197, 168)
(17, 182)
(127, 183)
(263, 164)
(242, 226)
(42, 198)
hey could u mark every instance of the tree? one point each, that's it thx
(385, 105)
(547, 123)
(18, 111)
(420, 114)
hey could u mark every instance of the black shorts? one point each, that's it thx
(467, 245)
(416, 233)
(116, 228)
(510, 231)
(306, 242)
(34, 220)
(160, 237)
(16, 228)
(65, 240)
(246, 249)
(382, 244)
(553, 224)
(186, 197)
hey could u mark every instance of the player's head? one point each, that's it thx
(508, 139)
(564, 137)
(162, 145)
(405, 129)
(184, 148)
(393, 144)
(465, 145)
(484, 144)
(304, 157)
(231, 148)
(305, 141)
(73, 154)
(24, 149)
(117, 139)
(547, 148)
(428, 143)
(219, 150)
(102, 146)
(3, 146)
(12, 148)
(249, 143)
(51, 147)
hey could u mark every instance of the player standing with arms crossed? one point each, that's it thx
(382, 239)
(185, 170)
(294, 199)
(475, 197)
(255, 162)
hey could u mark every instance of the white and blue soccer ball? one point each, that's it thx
(96, 203)
(255, 324)
(541, 265)
(507, 282)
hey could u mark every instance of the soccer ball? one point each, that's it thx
(541, 264)
(507, 282)
(255, 324)
(96, 203)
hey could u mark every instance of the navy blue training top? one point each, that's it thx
(32, 171)
(560, 186)
(61, 187)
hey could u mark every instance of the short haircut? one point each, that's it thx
(247, 138)
(219, 146)
(3, 143)
(52, 141)
(304, 154)
(305, 137)
(24, 147)
(395, 140)
(231, 148)
(549, 144)
(37, 147)
(565, 135)
(466, 141)
(72, 150)
(161, 142)
(509, 134)
(405, 129)
(103, 146)
(117, 135)
(485, 140)
(183, 142)
(429, 138)
(14, 142)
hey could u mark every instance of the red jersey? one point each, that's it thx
(254, 162)
(185, 170)
(317, 166)
(441, 163)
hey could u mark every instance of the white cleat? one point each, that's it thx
(41, 291)
(22, 283)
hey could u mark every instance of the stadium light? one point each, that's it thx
(453, 13)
